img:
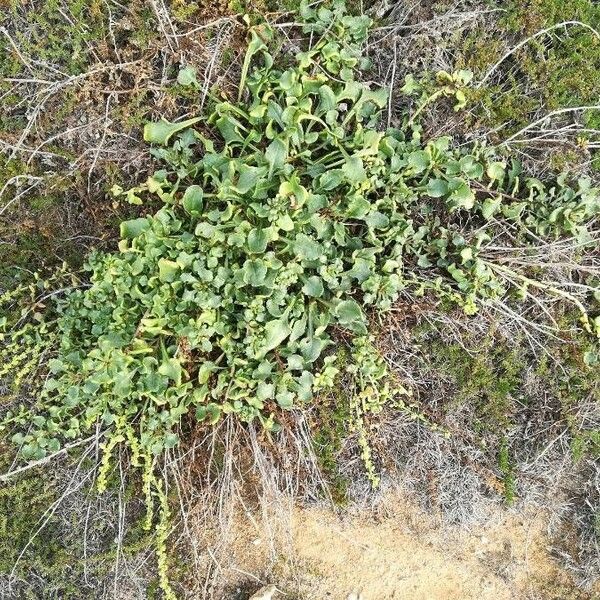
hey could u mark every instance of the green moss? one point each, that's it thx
(488, 379)
(183, 10)
(586, 443)
(22, 505)
(328, 438)
(260, 7)
(24, 239)
(565, 160)
(572, 384)
(496, 379)
(529, 16)
(330, 427)
(143, 30)
(60, 32)
(53, 565)
(134, 114)
(508, 476)
(227, 55)
(555, 71)
(73, 37)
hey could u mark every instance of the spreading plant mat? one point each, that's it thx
(312, 288)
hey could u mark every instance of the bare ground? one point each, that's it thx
(396, 551)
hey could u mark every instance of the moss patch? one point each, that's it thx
(502, 385)
(553, 71)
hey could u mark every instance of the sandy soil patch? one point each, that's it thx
(400, 553)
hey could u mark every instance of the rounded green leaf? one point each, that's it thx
(285, 399)
(171, 440)
(254, 272)
(306, 248)
(462, 195)
(354, 170)
(313, 287)
(436, 188)
(495, 171)
(276, 154)
(419, 161)
(187, 76)
(172, 369)
(168, 270)
(265, 391)
(490, 207)
(275, 333)
(349, 314)
(192, 200)
(257, 240)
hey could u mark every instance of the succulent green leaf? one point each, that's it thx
(496, 171)
(377, 220)
(307, 248)
(255, 272)
(354, 170)
(462, 195)
(436, 188)
(249, 177)
(419, 161)
(349, 314)
(131, 229)
(358, 207)
(171, 440)
(276, 154)
(331, 179)
(275, 333)
(470, 167)
(327, 99)
(193, 200)
(187, 76)
(229, 127)
(313, 287)
(312, 348)
(172, 369)
(265, 391)
(285, 399)
(490, 207)
(168, 270)
(257, 240)
(161, 132)
(285, 223)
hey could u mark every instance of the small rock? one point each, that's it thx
(265, 593)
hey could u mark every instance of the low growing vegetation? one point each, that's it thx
(285, 222)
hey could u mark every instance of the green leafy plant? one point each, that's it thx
(284, 221)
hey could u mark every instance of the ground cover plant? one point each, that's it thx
(282, 221)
